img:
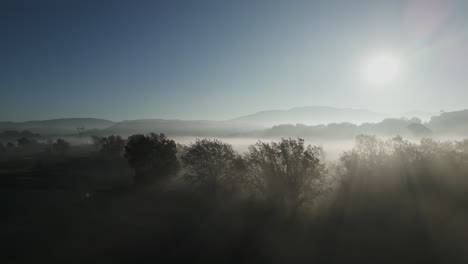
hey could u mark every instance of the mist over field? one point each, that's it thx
(247, 131)
(291, 193)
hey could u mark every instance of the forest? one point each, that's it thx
(147, 198)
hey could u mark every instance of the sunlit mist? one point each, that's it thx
(382, 69)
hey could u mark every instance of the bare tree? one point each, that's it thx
(286, 173)
(112, 146)
(210, 164)
(97, 142)
(25, 142)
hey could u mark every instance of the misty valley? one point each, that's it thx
(245, 131)
(80, 195)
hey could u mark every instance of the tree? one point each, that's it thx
(370, 147)
(97, 142)
(368, 155)
(286, 173)
(60, 146)
(112, 146)
(153, 157)
(404, 151)
(24, 142)
(210, 164)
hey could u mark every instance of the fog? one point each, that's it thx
(332, 148)
(234, 131)
(250, 199)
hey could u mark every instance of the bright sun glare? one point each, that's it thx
(382, 69)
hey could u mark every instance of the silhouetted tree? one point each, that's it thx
(461, 146)
(24, 142)
(97, 142)
(152, 156)
(112, 146)
(9, 145)
(60, 146)
(209, 164)
(11, 134)
(287, 173)
(368, 155)
(406, 152)
(398, 157)
(370, 147)
(181, 150)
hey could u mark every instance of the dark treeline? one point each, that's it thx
(148, 199)
(13, 134)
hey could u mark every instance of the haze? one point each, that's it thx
(241, 131)
(218, 60)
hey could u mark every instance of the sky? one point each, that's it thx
(217, 60)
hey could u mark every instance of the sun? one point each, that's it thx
(382, 69)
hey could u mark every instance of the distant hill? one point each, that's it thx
(250, 124)
(309, 115)
(387, 127)
(450, 123)
(63, 126)
(423, 115)
(199, 128)
(256, 125)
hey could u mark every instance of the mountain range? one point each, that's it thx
(57, 126)
(310, 115)
(300, 121)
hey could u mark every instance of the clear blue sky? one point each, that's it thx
(221, 59)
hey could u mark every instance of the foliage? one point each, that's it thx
(401, 202)
(13, 134)
(25, 142)
(112, 146)
(286, 173)
(97, 142)
(152, 156)
(209, 164)
(429, 161)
